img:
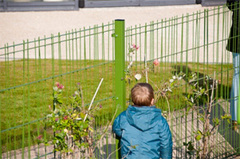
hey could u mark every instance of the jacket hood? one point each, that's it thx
(144, 117)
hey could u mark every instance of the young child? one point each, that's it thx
(144, 133)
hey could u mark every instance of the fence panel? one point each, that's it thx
(191, 44)
(30, 70)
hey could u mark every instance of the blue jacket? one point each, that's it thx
(144, 133)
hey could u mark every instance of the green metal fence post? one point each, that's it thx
(120, 89)
(120, 64)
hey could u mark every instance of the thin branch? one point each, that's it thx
(81, 94)
(114, 152)
(164, 95)
(126, 154)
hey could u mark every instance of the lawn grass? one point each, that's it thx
(26, 91)
(29, 100)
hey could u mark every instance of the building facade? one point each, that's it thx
(47, 5)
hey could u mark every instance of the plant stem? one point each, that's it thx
(206, 137)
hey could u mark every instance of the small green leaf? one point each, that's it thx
(216, 121)
(91, 129)
(202, 119)
(198, 137)
(190, 146)
(133, 146)
(199, 132)
(185, 144)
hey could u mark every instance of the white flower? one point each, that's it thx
(179, 78)
(138, 76)
(55, 88)
(174, 77)
(78, 118)
(56, 111)
(169, 89)
(192, 99)
(171, 80)
(65, 130)
(49, 115)
(76, 93)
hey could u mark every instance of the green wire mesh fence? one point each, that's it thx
(191, 44)
(30, 71)
(194, 43)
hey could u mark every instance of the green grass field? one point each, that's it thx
(26, 91)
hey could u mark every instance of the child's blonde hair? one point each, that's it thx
(142, 94)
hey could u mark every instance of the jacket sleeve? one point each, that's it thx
(166, 140)
(116, 127)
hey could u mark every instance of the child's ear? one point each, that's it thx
(152, 101)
